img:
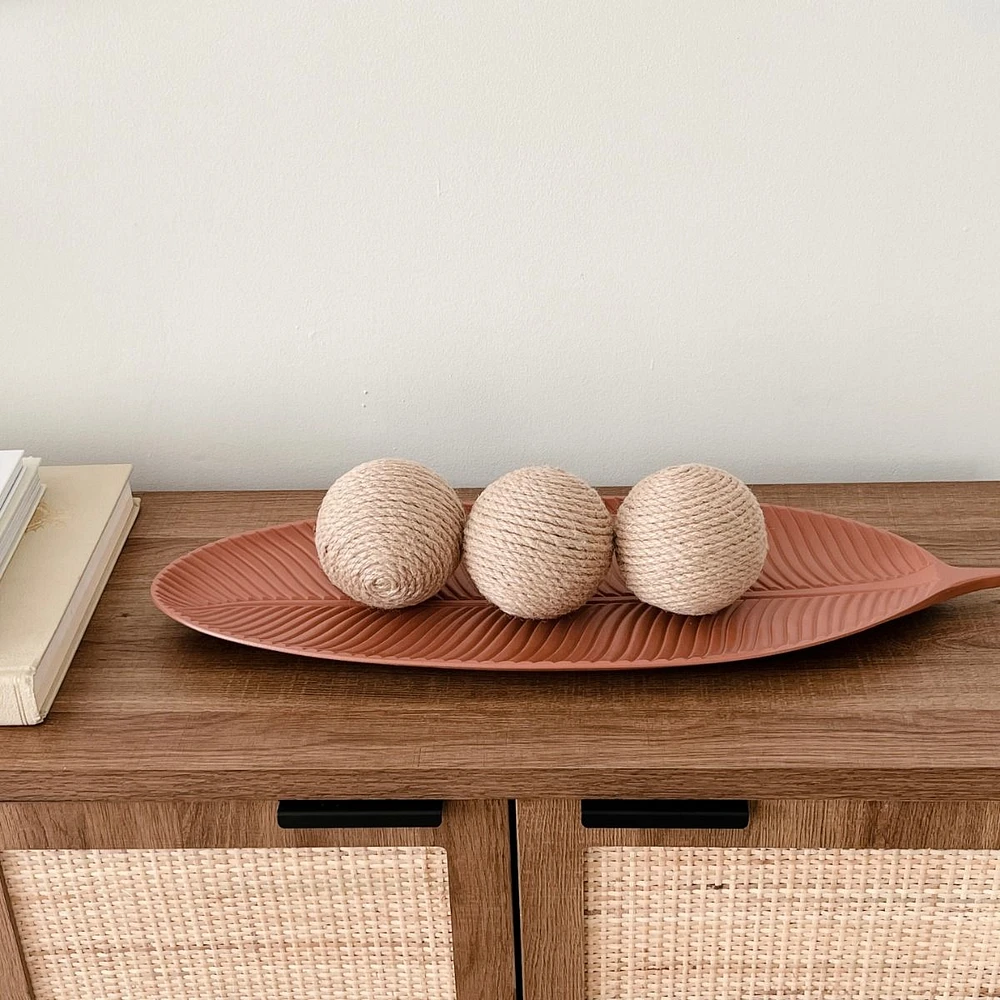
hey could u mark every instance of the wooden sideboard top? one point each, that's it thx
(150, 709)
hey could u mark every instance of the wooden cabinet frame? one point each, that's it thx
(163, 738)
(552, 842)
(475, 835)
(547, 899)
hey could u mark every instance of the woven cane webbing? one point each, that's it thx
(739, 923)
(261, 924)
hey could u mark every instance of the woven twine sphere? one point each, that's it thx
(538, 542)
(389, 533)
(690, 539)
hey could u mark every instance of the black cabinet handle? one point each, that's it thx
(651, 814)
(304, 814)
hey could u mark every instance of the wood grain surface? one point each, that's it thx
(550, 854)
(153, 710)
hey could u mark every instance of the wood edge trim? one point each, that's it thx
(475, 836)
(832, 823)
(179, 825)
(15, 982)
(550, 850)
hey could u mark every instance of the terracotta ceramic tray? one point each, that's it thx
(825, 577)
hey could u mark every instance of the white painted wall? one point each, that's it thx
(251, 243)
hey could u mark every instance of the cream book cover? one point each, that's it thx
(51, 586)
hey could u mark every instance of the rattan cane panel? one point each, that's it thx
(235, 924)
(739, 923)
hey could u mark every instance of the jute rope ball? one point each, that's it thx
(690, 539)
(389, 533)
(538, 542)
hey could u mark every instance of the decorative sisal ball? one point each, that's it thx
(690, 539)
(389, 533)
(538, 542)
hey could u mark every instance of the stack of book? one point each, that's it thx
(20, 490)
(61, 531)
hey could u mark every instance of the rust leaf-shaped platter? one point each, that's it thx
(825, 577)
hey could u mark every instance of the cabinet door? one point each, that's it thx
(216, 901)
(818, 900)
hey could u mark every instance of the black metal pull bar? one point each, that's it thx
(650, 814)
(302, 814)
